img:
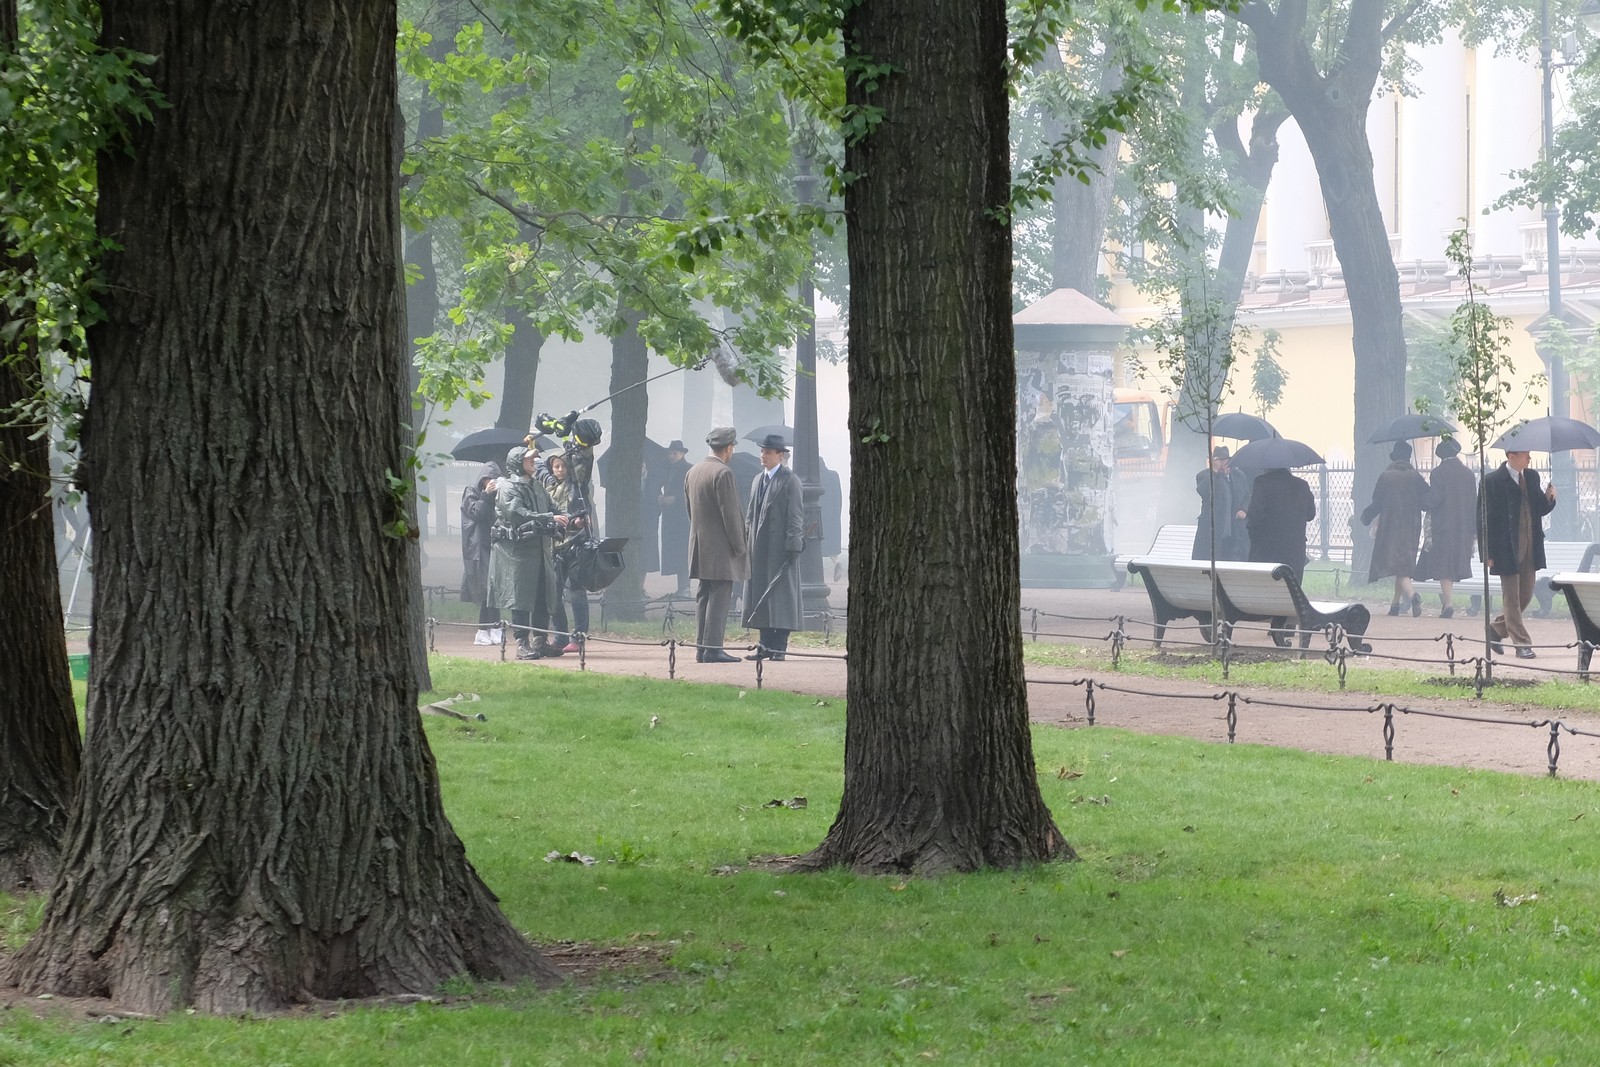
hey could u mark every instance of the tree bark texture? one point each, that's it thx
(1082, 208)
(939, 770)
(521, 372)
(1331, 110)
(260, 819)
(630, 411)
(40, 747)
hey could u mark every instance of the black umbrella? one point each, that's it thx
(1552, 433)
(1273, 452)
(1242, 426)
(482, 446)
(762, 431)
(1410, 426)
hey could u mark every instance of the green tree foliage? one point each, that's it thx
(1268, 378)
(62, 99)
(596, 156)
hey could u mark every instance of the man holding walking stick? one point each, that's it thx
(777, 534)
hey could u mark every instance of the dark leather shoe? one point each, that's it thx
(700, 655)
(1499, 647)
(1526, 653)
(719, 656)
(1394, 609)
(1416, 605)
(756, 656)
(1445, 613)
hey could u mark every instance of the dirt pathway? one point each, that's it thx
(1340, 723)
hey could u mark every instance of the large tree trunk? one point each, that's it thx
(630, 411)
(39, 743)
(521, 370)
(1331, 110)
(939, 770)
(1082, 208)
(260, 817)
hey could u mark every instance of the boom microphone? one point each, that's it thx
(726, 360)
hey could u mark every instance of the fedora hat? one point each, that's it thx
(774, 441)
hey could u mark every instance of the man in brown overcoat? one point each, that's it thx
(717, 551)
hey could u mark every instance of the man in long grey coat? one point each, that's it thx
(777, 534)
(717, 556)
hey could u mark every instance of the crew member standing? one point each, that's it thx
(777, 534)
(1513, 545)
(717, 555)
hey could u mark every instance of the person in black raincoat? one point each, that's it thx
(674, 517)
(477, 517)
(1224, 496)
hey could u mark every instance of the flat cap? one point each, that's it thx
(722, 437)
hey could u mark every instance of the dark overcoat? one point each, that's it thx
(1280, 506)
(1452, 522)
(776, 522)
(477, 516)
(717, 548)
(1397, 503)
(1501, 503)
(674, 518)
(1222, 495)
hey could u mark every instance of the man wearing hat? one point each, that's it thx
(1450, 528)
(1224, 497)
(717, 548)
(1513, 546)
(776, 523)
(675, 517)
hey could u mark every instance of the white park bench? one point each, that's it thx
(1172, 541)
(1267, 592)
(1582, 591)
(1560, 556)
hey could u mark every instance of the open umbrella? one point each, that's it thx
(483, 446)
(1552, 433)
(1410, 426)
(1242, 426)
(1273, 452)
(762, 431)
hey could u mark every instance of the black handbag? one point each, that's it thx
(594, 565)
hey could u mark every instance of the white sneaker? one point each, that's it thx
(482, 638)
(497, 636)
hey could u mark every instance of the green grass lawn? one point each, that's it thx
(1233, 905)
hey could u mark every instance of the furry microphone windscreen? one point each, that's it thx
(726, 361)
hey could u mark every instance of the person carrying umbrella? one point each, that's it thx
(1450, 529)
(1513, 546)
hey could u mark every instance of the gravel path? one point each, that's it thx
(1340, 723)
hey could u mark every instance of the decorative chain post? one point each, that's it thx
(761, 661)
(672, 657)
(1450, 652)
(1033, 624)
(504, 626)
(583, 646)
(1233, 714)
(1477, 676)
(1388, 732)
(1088, 699)
(433, 624)
(1554, 747)
(1117, 640)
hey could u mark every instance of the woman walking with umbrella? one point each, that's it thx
(1397, 503)
(1450, 529)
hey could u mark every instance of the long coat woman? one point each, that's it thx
(1452, 523)
(522, 576)
(1397, 502)
(477, 516)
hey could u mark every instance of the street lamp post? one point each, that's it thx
(1562, 475)
(1561, 468)
(807, 454)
